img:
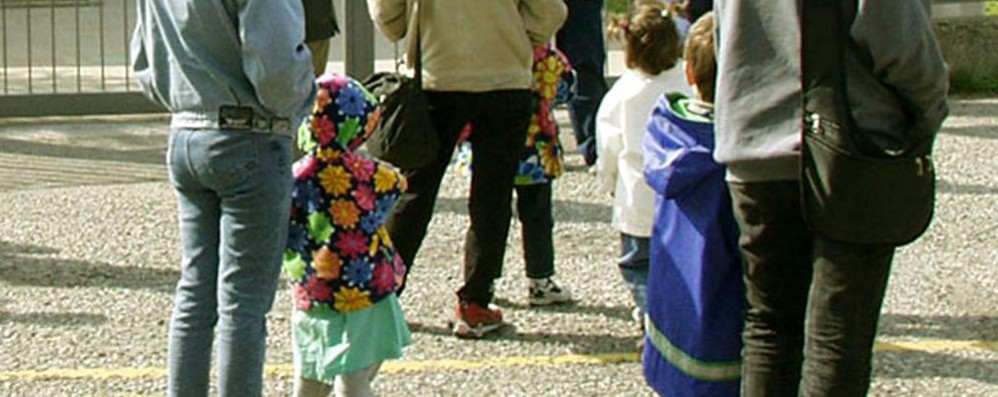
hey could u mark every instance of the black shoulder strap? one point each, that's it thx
(824, 38)
(419, 44)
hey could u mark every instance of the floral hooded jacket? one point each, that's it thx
(339, 256)
(542, 159)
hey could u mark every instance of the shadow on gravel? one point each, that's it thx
(971, 132)
(973, 104)
(618, 312)
(577, 343)
(140, 156)
(53, 319)
(964, 328)
(564, 211)
(972, 107)
(958, 188)
(917, 365)
(28, 265)
(913, 364)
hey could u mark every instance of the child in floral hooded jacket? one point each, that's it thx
(340, 262)
(540, 164)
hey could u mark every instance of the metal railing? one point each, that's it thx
(64, 56)
(61, 46)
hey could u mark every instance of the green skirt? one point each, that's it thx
(329, 343)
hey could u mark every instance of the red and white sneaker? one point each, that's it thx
(472, 321)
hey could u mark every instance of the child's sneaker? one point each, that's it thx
(473, 321)
(544, 291)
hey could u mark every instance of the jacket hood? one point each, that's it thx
(679, 145)
(343, 117)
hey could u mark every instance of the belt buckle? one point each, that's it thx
(235, 118)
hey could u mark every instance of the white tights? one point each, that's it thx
(353, 384)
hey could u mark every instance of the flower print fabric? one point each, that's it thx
(338, 256)
(542, 157)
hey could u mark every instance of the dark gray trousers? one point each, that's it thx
(813, 303)
(500, 119)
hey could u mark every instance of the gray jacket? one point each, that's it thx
(895, 74)
(193, 57)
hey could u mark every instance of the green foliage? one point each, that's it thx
(964, 81)
(991, 8)
(616, 6)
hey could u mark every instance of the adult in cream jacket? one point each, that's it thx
(476, 68)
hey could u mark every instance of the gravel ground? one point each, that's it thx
(88, 259)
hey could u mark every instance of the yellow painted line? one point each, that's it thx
(936, 346)
(85, 373)
(390, 367)
(406, 366)
(509, 362)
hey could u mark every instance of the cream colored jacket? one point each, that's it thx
(472, 45)
(620, 130)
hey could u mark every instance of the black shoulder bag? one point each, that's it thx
(851, 190)
(404, 135)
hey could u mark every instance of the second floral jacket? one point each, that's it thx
(339, 256)
(542, 155)
(542, 159)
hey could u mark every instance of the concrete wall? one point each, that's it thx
(970, 46)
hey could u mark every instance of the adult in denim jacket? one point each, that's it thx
(236, 77)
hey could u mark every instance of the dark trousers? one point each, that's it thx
(500, 119)
(581, 39)
(813, 303)
(533, 208)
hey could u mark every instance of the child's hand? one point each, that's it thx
(403, 183)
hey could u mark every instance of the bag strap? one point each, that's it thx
(419, 44)
(418, 67)
(824, 39)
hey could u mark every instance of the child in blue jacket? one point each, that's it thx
(695, 291)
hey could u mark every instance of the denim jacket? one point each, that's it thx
(194, 57)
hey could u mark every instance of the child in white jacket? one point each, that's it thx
(652, 55)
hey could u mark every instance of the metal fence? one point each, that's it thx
(72, 56)
(66, 57)
(65, 46)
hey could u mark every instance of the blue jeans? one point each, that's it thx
(233, 195)
(581, 39)
(634, 267)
